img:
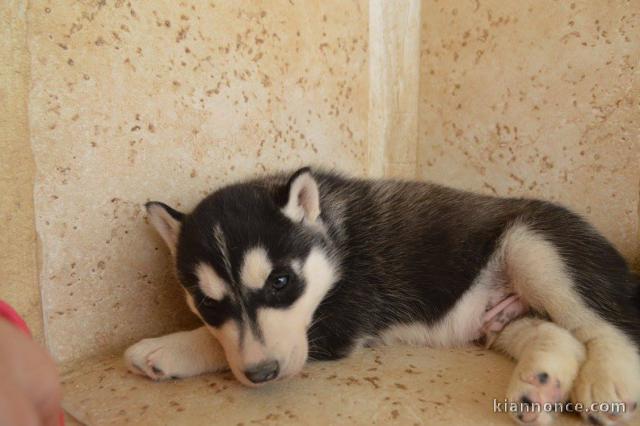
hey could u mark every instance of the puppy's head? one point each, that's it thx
(254, 265)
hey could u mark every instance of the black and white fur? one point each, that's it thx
(311, 265)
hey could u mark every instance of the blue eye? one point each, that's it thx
(279, 281)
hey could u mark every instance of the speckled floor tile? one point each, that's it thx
(390, 385)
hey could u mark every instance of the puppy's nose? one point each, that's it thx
(263, 372)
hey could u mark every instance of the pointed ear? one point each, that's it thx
(303, 197)
(167, 222)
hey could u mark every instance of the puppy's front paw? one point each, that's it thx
(152, 358)
(608, 390)
(176, 355)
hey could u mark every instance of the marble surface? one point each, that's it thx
(536, 98)
(388, 385)
(133, 102)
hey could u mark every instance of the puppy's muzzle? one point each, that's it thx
(263, 372)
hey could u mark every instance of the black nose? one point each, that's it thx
(263, 372)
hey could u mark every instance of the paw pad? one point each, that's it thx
(543, 378)
(534, 392)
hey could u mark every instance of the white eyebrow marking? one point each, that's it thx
(256, 267)
(210, 282)
(221, 241)
(296, 265)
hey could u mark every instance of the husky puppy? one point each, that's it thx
(310, 265)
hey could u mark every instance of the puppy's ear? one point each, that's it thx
(302, 197)
(167, 222)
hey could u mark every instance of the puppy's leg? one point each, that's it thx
(176, 355)
(548, 359)
(611, 372)
(610, 375)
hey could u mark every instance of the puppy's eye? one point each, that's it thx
(279, 280)
(208, 302)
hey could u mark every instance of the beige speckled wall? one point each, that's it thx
(536, 98)
(18, 270)
(168, 100)
(394, 87)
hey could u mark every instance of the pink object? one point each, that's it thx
(496, 318)
(9, 314)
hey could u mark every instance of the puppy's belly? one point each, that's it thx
(482, 312)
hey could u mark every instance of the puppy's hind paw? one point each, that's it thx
(608, 394)
(534, 394)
